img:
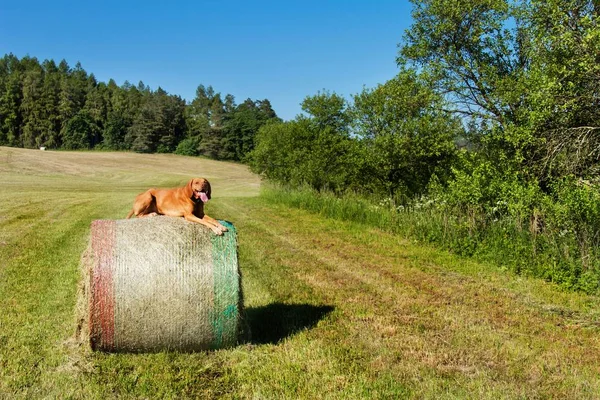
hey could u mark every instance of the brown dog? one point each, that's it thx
(187, 202)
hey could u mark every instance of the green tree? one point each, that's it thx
(197, 114)
(50, 136)
(476, 53)
(81, 132)
(115, 131)
(10, 101)
(328, 110)
(564, 91)
(73, 85)
(67, 105)
(95, 102)
(470, 53)
(298, 152)
(188, 146)
(172, 116)
(160, 124)
(211, 144)
(406, 136)
(242, 125)
(146, 128)
(31, 105)
(229, 104)
(527, 72)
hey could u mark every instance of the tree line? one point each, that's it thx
(492, 124)
(62, 107)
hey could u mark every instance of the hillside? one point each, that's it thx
(336, 310)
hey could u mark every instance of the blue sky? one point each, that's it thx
(279, 50)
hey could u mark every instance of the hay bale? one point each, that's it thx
(160, 283)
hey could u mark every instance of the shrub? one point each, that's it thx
(188, 147)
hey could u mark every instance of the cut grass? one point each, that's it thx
(336, 309)
(560, 258)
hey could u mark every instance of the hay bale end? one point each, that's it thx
(160, 283)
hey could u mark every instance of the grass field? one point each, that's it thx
(336, 310)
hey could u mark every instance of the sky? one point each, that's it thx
(277, 50)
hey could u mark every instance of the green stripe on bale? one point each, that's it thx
(225, 316)
(174, 285)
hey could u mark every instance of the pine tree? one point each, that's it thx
(81, 132)
(10, 101)
(95, 104)
(172, 121)
(31, 106)
(147, 125)
(50, 136)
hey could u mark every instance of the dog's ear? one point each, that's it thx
(189, 190)
(208, 190)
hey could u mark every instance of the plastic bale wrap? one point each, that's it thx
(160, 283)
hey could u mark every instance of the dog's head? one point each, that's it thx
(199, 189)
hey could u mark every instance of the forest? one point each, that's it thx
(62, 107)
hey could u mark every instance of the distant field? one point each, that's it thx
(113, 171)
(336, 310)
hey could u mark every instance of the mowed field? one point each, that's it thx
(336, 310)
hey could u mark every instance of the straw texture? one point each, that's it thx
(161, 283)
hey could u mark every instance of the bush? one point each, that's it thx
(299, 153)
(188, 147)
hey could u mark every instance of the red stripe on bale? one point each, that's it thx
(102, 299)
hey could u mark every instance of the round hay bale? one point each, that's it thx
(161, 283)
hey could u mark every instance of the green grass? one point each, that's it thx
(554, 255)
(336, 309)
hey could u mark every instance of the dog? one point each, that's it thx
(187, 202)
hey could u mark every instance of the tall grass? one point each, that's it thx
(553, 255)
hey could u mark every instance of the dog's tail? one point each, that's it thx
(130, 214)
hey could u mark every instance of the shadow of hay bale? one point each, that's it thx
(272, 323)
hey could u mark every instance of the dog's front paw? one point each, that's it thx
(223, 228)
(217, 231)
